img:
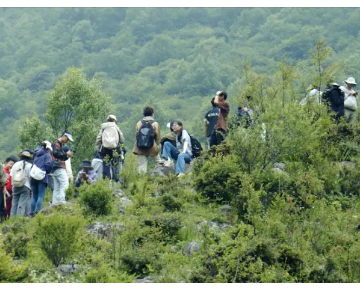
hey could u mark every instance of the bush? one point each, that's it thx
(170, 202)
(169, 224)
(96, 198)
(58, 236)
(16, 240)
(10, 271)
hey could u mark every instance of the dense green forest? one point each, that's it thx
(276, 202)
(172, 58)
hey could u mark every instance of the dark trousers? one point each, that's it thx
(110, 164)
(217, 136)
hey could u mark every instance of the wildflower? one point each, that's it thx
(339, 240)
(248, 188)
(289, 232)
(347, 227)
(289, 200)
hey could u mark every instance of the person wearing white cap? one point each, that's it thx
(39, 175)
(107, 141)
(59, 175)
(350, 102)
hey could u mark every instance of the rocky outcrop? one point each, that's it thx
(161, 170)
(225, 209)
(192, 247)
(103, 230)
(214, 225)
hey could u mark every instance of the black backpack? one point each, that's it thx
(195, 146)
(145, 138)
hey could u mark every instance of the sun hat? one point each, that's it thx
(86, 163)
(350, 80)
(111, 117)
(26, 153)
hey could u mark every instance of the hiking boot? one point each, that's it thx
(169, 163)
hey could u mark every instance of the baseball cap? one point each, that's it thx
(68, 134)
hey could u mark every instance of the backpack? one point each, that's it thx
(145, 138)
(18, 179)
(195, 146)
(335, 99)
(37, 173)
(110, 137)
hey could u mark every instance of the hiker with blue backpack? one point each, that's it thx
(108, 145)
(147, 140)
(182, 153)
(39, 175)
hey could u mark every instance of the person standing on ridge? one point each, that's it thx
(211, 119)
(220, 130)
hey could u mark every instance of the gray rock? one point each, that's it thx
(146, 279)
(191, 248)
(5, 230)
(279, 171)
(280, 165)
(214, 225)
(225, 209)
(346, 164)
(66, 269)
(48, 208)
(118, 193)
(124, 203)
(161, 170)
(103, 230)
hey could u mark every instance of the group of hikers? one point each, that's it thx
(25, 178)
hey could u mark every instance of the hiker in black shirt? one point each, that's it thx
(211, 118)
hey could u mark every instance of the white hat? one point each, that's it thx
(68, 134)
(111, 117)
(48, 145)
(350, 80)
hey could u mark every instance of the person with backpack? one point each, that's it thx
(182, 153)
(350, 102)
(334, 98)
(220, 129)
(314, 95)
(39, 175)
(147, 136)
(108, 144)
(20, 176)
(211, 118)
(8, 164)
(59, 174)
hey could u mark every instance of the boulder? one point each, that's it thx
(146, 279)
(67, 269)
(102, 230)
(214, 225)
(118, 193)
(5, 230)
(124, 203)
(225, 209)
(280, 165)
(346, 164)
(51, 206)
(161, 170)
(191, 248)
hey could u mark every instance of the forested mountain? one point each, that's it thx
(172, 58)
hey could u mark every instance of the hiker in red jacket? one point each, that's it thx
(8, 164)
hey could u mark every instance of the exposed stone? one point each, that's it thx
(118, 193)
(280, 165)
(146, 279)
(67, 269)
(225, 209)
(346, 164)
(161, 170)
(5, 230)
(214, 225)
(191, 248)
(102, 230)
(124, 203)
(51, 206)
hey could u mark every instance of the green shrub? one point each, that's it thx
(170, 202)
(11, 271)
(105, 274)
(169, 224)
(96, 198)
(58, 236)
(16, 239)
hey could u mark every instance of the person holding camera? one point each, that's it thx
(350, 102)
(87, 174)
